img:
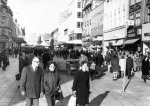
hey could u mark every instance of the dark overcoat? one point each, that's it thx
(22, 63)
(115, 64)
(145, 66)
(31, 82)
(50, 82)
(81, 85)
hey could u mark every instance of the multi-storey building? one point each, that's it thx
(134, 33)
(92, 21)
(146, 25)
(7, 26)
(71, 22)
(116, 14)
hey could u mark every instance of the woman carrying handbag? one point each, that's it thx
(51, 83)
(81, 85)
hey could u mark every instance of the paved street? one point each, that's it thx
(104, 91)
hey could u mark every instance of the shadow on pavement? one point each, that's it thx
(99, 99)
(64, 101)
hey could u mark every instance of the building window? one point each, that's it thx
(148, 14)
(139, 31)
(79, 4)
(3, 19)
(132, 2)
(131, 17)
(79, 14)
(137, 20)
(138, 1)
(79, 36)
(79, 25)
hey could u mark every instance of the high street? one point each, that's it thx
(104, 91)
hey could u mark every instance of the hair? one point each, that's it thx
(51, 62)
(83, 62)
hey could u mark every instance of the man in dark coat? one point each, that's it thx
(129, 65)
(30, 83)
(23, 61)
(99, 61)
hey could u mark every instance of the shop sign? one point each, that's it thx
(146, 34)
(131, 35)
(148, 3)
(3, 38)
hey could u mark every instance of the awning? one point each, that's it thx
(131, 41)
(87, 6)
(19, 40)
(77, 48)
(118, 43)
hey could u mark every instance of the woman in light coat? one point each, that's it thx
(122, 64)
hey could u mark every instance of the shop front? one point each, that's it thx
(114, 38)
(146, 37)
(133, 39)
(4, 42)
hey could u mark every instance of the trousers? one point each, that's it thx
(30, 101)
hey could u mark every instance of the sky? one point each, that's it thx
(38, 16)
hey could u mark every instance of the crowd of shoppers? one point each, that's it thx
(37, 80)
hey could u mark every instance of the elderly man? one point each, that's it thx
(30, 83)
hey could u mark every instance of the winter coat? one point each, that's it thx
(22, 63)
(129, 63)
(145, 66)
(31, 82)
(81, 85)
(50, 82)
(115, 64)
(122, 64)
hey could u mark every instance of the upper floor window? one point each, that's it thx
(133, 2)
(138, 1)
(137, 19)
(79, 14)
(79, 36)
(79, 4)
(148, 14)
(79, 25)
(3, 19)
(131, 17)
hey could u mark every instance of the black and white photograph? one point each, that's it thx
(74, 52)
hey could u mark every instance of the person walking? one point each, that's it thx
(23, 61)
(51, 83)
(81, 85)
(115, 66)
(30, 83)
(145, 67)
(122, 64)
(129, 65)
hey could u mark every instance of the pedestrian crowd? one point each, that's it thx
(37, 80)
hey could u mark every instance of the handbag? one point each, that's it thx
(18, 76)
(72, 101)
(59, 95)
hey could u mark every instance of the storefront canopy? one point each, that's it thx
(118, 43)
(131, 41)
(19, 40)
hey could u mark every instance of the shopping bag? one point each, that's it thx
(72, 101)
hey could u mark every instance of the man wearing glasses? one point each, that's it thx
(30, 83)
